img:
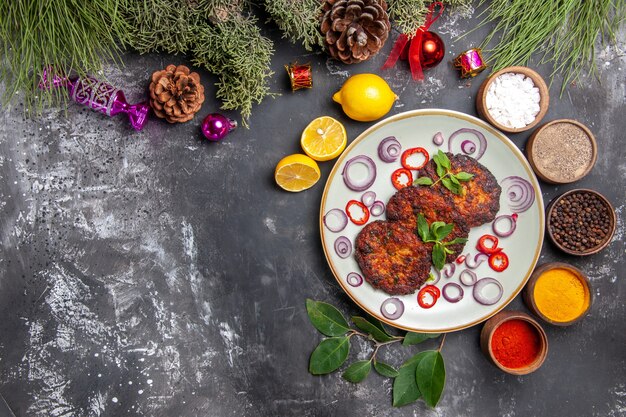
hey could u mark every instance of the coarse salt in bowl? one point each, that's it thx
(513, 99)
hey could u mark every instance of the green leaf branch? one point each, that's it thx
(447, 178)
(435, 233)
(421, 376)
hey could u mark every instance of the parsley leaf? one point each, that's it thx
(444, 231)
(463, 176)
(423, 181)
(435, 233)
(443, 159)
(456, 241)
(447, 178)
(422, 227)
(439, 256)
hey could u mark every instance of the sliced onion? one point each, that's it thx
(368, 198)
(520, 193)
(389, 149)
(394, 302)
(349, 176)
(377, 208)
(468, 147)
(473, 263)
(468, 277)
(448, 270)
(451, 286)
(504, 230)
(354, 279)
(335, 220)
(438, 139)
(343, 247)
(480, 286)
(436, 275)
(479, 149)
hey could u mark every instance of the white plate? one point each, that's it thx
(502, 158)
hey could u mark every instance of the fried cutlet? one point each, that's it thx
(480, 201)
(435, 204)
(392, 257)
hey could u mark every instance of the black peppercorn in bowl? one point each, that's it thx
(580, 222)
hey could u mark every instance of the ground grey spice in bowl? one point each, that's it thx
(562, 151)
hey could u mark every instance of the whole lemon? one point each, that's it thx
(365, 97)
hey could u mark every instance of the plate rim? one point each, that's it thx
(471, 119)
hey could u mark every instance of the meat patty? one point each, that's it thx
(480, 201)
(392, 257)
(405, 205)
(435, 204)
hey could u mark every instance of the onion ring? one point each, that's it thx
(498, 231)
(468, 147)
(377, 208)
(368, 198)
(473, 263)
(480, 286)
(399, 305)
(360, 184)
(389, 149)
(520, 193)
(354, 280)
(438, 139)
(343, 247)
(472, 277)
(445, 291)
(448, 270)
(482, 142)
(340, 218)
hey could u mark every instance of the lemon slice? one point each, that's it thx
(324, 139)
(296, 173)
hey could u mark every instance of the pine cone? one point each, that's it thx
(355, 30)
(175, 94)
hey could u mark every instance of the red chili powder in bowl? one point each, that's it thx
(515, 344)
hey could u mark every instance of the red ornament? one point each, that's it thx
(424, 50)
(433, 50)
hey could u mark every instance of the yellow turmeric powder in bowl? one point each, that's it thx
(561, 295)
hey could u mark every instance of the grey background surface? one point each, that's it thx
(155, 274)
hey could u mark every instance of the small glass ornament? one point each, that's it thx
(215, 127)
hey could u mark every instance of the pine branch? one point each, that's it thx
(408, 15)
(299, 20)
(217, 35)
(68, 35)
(565, 32)
(236, 51)
(159, 25)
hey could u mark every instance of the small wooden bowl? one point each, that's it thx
(595, 249)
(532, 156)
(493, 323)
(544, 98)
(529, 291)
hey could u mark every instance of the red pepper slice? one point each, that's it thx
(488, 244)
(499, 261)
(422, 296)
(359, 220)
(401, 178)
(410, 152)
(460, 259)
